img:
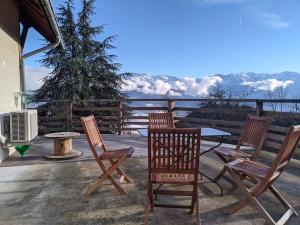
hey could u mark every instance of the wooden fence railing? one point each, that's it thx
(125, 116)
(56, 116)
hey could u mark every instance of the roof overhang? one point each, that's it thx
(39, 15)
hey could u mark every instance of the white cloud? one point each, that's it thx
(268, 84)
(129, 85)
(188, 86)
(202, 88)
(217, 2)
(34, 76)
(146, 85)
(180, 86)
(159, 87)
(271, 20)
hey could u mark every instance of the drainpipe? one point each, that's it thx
(51, 18)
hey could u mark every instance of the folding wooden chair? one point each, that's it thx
(263, 178)
(161, 120)
(173, 158)
(253, 135)
(115, 157)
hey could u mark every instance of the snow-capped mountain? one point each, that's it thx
(247, 85)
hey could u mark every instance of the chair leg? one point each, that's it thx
(197, 208)
(193, 202)
(249, 197)
(194, 198)
(223, 171)
(117, 186)
(282, 200)
(151, 197)
(91, 188)
(94, 186)
(238, 181)
(234, 186)
(106, 175)
(121, 173)
(262, 210)
(147, 210)
(290, 210)
(126, 178)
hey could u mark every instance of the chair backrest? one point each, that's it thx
(254, 133)
(173, 150)
(93, 135)
(288, 148)
(161, 120)
(283, 157)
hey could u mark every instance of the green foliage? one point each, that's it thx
(84, 69)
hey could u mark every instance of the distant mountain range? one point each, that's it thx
(242, 85)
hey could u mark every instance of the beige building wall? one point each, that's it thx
(9, 57)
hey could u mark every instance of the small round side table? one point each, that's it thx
(63, 145)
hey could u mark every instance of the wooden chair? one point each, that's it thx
(253, 135)
(161, 120)
(115, 157)
(173, 158)
(263, 178)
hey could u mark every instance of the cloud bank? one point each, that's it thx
(268, 84)
(177, 87)
(163, 86)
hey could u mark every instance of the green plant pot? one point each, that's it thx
(22, 149)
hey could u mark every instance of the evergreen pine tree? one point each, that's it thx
(84, 69)
(97, 67)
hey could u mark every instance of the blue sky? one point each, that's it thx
(198, 37)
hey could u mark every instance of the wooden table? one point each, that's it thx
(63, 145)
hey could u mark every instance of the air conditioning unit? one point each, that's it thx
(5, 125)
(23, 125)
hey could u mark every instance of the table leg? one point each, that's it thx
(206, 176)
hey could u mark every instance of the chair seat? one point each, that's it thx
(249, 167)
(232, 153)
(116, 153)
(174, 178)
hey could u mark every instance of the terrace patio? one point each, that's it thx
(34, 190)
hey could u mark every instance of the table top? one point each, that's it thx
(62, 135)
(205, 132)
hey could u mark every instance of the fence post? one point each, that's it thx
(69, 116)
(120, 117)
(259, 108)
(171, 105)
